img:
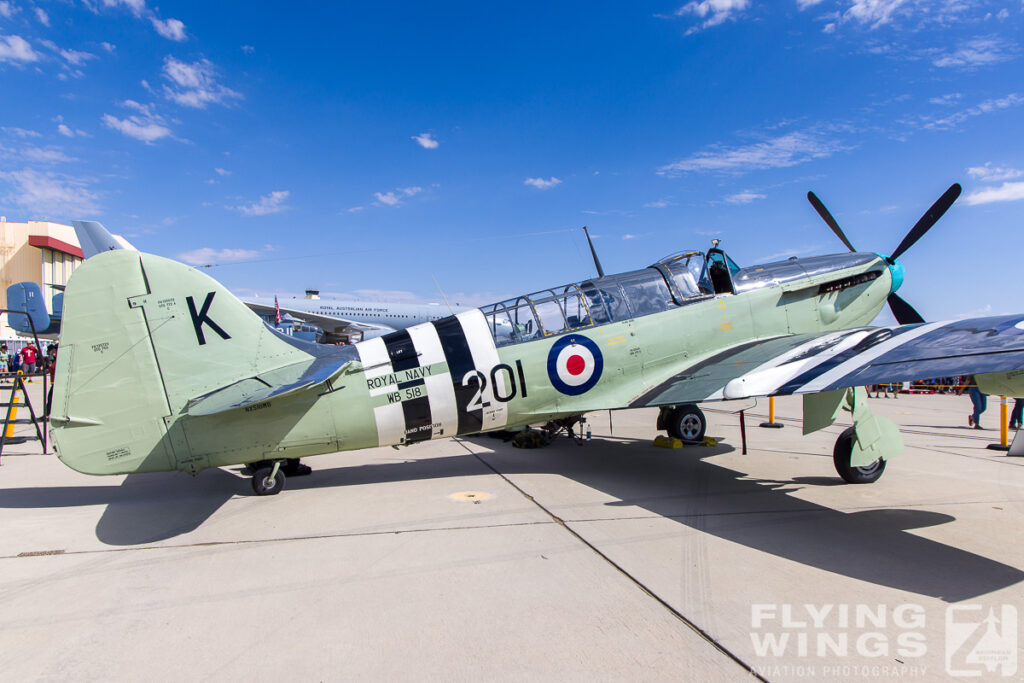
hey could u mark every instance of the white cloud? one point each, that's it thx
(39, 155)
(267, 204)
(993, 174)
(195, 84)
(781, 152)
(395, 197)
(945, 100)
(49, 195)
(146, 125)
(109, 47)
(426, 141)
(977, 52)
(42, 16)
(986, 107)
(248, 49)
(874, 12)
(76, 58)
(172, 29)
(659, 204)
(136, 7)
(387, 198)
(208, 255)
(16, 49)
(22, 133)
(804, 4)
(222, 172)
(877, 13)
(743, 197)
(1007, 192)
(7, 10)
(542, 184)
(629, 236)
(713, 12)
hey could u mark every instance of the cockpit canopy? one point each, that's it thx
(675, 280)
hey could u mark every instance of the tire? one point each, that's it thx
(686, 423)
(850, 474)
(265, 485)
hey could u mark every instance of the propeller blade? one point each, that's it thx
(903, 312)
(827, 217)
(930, 217)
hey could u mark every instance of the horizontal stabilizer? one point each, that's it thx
(268, 385)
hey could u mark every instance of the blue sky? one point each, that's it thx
(368, 148)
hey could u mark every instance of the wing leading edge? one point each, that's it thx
(804, 364)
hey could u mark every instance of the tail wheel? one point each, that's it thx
(686, 423)
(850, 474)
(264, 484)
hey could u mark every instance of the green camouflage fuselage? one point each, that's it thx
(160, 368)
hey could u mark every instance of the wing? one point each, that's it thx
(328, 323)
(804, 364)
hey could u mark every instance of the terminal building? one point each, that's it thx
(36, 251)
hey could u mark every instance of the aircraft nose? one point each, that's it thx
(896, 270)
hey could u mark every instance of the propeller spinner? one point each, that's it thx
(901, 310)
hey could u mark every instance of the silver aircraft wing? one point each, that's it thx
(328, 323)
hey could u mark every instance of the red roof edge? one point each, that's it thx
(46, 242)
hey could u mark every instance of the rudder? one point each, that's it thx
(142, 336)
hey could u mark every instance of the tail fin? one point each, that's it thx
(142, 337)
(94, 238)
(27, 297)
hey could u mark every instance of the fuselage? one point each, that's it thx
(599, 344)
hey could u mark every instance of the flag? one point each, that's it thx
(277, 312)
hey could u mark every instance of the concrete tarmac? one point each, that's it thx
(468, 559)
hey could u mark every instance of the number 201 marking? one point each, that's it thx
(477, 377)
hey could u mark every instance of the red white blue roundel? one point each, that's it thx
(574, 364)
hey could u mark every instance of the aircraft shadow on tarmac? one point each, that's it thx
(680, 485)
(869, 545)
(145, 508)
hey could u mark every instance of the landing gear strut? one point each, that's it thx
(861, 451)
(268, 476)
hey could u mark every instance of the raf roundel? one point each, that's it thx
(574, 364)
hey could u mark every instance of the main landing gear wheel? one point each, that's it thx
(850, 474)
(686, 423)
(266, 485)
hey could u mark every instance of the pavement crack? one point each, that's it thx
(258, 541)
(711, 640)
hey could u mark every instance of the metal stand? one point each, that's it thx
(11, 404)
(771, 423)
(10, 420)
(1004, 435)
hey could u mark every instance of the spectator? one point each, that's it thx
(5, 358)
(1017, 413)
(978, 400)
(29, 356)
